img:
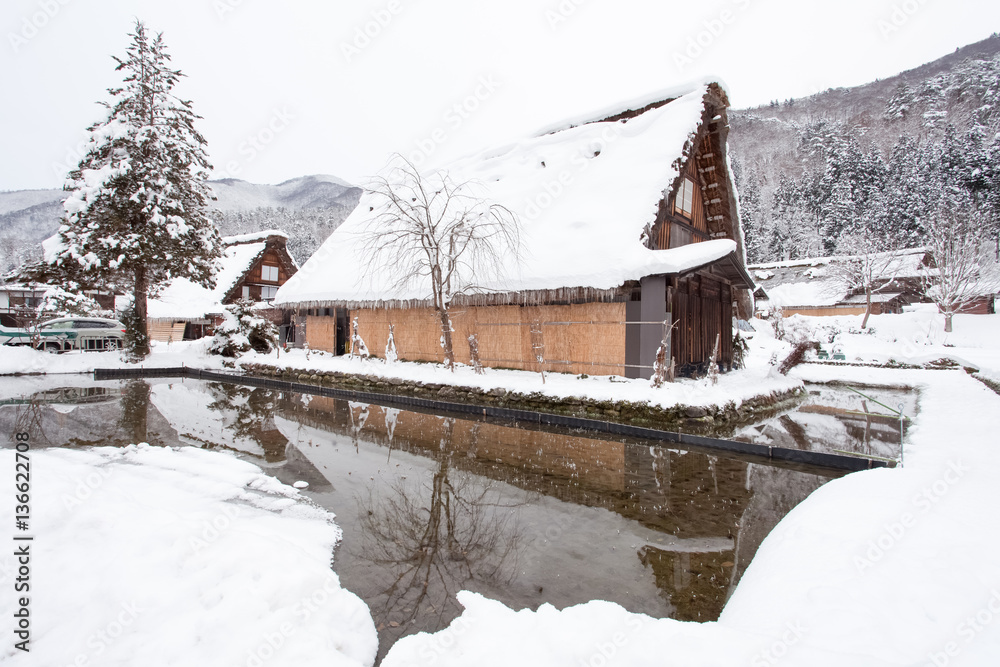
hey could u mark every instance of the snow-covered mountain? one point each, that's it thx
(304, 192)
(308, 208)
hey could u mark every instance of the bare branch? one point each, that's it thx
(432, 232)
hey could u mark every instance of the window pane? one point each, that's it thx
(269, 273)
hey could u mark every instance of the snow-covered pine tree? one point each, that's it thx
(135, 216)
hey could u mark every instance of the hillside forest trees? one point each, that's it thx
(934, 151)
(136, 213)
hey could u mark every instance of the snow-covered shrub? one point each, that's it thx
(358, 347)
(243, 330)
(391, 356)
(741, 349)
(59, 302)
(777, 320)
(477, 364)
(796, 356)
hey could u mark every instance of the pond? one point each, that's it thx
(432, 505)
(840, 419)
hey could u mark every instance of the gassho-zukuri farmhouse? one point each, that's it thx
(628, 219)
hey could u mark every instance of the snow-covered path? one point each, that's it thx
(883, 567)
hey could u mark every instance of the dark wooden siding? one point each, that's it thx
(702, 306)
(672, 229)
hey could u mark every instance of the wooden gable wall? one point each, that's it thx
(275, 254)
(712, 215)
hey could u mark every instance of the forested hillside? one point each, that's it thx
(309, 208)
(875, 164)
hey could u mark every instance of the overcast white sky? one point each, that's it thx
(297, 87)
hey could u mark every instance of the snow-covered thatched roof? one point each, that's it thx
(583, 193)
(814, 281)
(183, 299)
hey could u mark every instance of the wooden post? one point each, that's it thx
(538, 347)
(713, 364)
(477, 365)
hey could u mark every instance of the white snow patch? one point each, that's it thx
(158, 556)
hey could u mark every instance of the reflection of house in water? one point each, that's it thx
(838, 419)
(223, 416)
(79, 416)
(694, 504)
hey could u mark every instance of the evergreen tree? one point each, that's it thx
(136, 215)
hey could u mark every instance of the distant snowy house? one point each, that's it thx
(812, 286)
(629, 219)
(18, 301)
(253, 267)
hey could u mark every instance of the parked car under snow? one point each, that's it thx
(69, 333)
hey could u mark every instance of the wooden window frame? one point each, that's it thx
(685, 195)
(266, 269)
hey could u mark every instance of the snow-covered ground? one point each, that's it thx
(165, 355)
(158, 556)
(916, 337)
(883, 567)
(733, 387)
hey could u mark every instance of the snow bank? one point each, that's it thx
(883, 567)
(157, 556)
(164, 355)
(913, 337)
(735, 387)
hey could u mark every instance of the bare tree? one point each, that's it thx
(872, 267)
(430, 230)
(965, 265)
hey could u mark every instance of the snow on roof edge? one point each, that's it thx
(633, 104)
(250, 237)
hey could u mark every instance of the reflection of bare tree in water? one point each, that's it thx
(252, 413)
(437, 538)
(29, 420)
(135, 411)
